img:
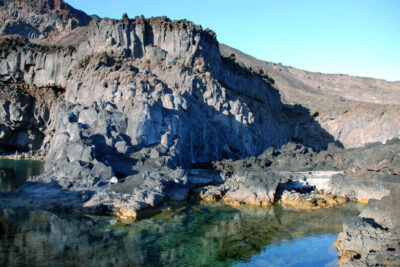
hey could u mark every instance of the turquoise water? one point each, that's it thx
(13, 173)
(193, 234)
(190, 235)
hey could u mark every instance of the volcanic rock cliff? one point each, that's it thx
(132, 113)
(168, 85)
(252, 104)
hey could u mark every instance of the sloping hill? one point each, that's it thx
(354, 110)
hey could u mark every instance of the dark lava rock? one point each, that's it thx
(373, 238)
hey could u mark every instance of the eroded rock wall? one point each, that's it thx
(168, 87)
(31, 80)
(27, 119)
(144, 96)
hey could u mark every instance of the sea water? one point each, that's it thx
(13, 173)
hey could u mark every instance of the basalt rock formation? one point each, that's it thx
(28, 109)
(169, 90)
(133, 113)
(373, 238)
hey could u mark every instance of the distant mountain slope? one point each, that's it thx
(40, 20)
(362, 89)
(353, 110)
(355, 88)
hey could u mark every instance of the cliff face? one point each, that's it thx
(171, 98)
(29, 106)
(127, 112)
(157, 65)
(171, 103)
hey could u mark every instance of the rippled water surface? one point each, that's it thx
(13, 173)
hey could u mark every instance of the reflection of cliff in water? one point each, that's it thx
(13, 173)
(185, 236)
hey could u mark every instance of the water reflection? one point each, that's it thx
(13, 173)
(191, 235)
(305, 251)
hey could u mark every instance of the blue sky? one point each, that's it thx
(331, 36)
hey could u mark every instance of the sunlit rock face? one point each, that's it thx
(161, 89)
(373, 237)
(171, 89)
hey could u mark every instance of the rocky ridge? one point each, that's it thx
(40, 20)
(134, 113)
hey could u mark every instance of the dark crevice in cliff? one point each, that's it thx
(27, 118)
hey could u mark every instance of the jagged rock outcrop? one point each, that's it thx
(160, 40)
(358, 174)
(29, 106)
(26, 118)
(373, 238)
(165, 98)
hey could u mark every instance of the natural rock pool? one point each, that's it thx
(190, 234)
(13, 173)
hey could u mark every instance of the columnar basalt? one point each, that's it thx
(134, 113)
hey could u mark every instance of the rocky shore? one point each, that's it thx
(373, 238)
(132, 114)
(316, 180)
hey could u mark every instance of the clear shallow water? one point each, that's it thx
(13, 173)
(305, 251)
(190, 235)
(187, 235)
